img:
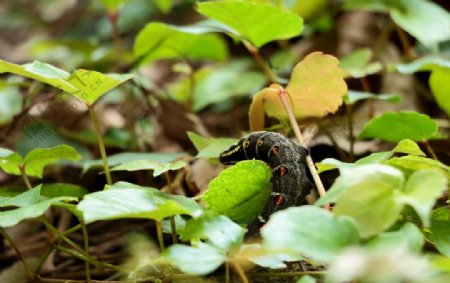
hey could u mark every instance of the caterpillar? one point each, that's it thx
(290, 181)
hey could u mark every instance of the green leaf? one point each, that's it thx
(158, 41)
(366, 194)
(30, 209)
(354, 96)
(10, 161)
(198, 141)
(426, 63)
(157, 167)
(125, 200)
(42, 72)
(216, 148)
(126, 157)
(113, 5)
(397, 126)
(219, 230)
(440, 230)
(404, 146)
(265, 257)
(311, 231)
(199, 260)
(86, 85)
(91, 85)
(306, 279)
(363, 177)
(164, 5)
(408, 236)
(408, 147)
(412, 14)
(411, 163)
(439, 86)
(63, 189)
(253, 22)
(211, 85)
(357, 64)
(210, 147)
(38, 158)
(421, 191)
(240, 192)
(10, 103)
(28, 197)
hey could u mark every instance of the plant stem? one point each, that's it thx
(60, 235)
(227, 271)
(159, 234)
(113, 17)
(285, 274)
(240, 272)
(24, 176)
(173, 229)
(26, 266)
(43, 258)
(287, 106)
(101, 144)
(430, 150)
(86, 250)
(407, 50)
(72, 230)
(351, 138)
(366, 87)
(261, 62)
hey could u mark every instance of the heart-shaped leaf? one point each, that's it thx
(240, 192)
(256, 23)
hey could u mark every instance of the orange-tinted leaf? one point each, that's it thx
(317, 86)
(266, 98)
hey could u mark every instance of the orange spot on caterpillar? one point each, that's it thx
(279, 200)
(282, 171)
(274, 150)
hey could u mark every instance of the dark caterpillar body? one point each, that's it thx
(287, 160)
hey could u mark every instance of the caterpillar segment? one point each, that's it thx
(290, 181)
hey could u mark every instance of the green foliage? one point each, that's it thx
(253, 22)
(218, 230)
(200, 259)
(88, 86)
(36, 160)
(311, 231)
(411, 16)
(130, 157)
(209, 147)
(440, 229)
(401, 125)
(125, 200)
(440, 73)
(27, 205)
(161, 41)
(240, 192)
(390, 220)
(157, 167)
(357, 64)
(10, 103)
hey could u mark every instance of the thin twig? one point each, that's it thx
(113, 17)
(173, 228)
(101, 144)
(86, 250)
(351, 138)
(430, 150)
(287, 106)
(261, 62)
(227, 271)
(26, 266)
(24, 176)
(159, 234)
(239, 271)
